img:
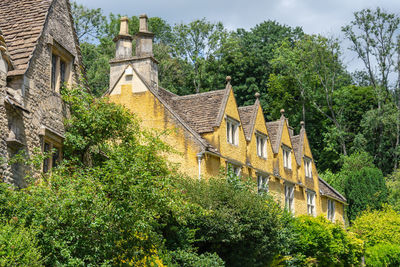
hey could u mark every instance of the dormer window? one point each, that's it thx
(287, 157)
(60, 67)
(232, 133)
(307, 167)
(261, 145)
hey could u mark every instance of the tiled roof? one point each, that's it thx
(274, 129)
(246, 117)
(329, 191)
(21, 25)
(200, 111)
(296, 143)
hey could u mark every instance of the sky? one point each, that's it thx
(314, 16)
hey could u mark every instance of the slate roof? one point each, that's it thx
(22, 28)
(328, 190)
(247, 115)
(200, 111)
(297, 147)
(274, 129)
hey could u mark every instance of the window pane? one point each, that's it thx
(62, 72)
(53, 71)
(46, 161)
(56, 157)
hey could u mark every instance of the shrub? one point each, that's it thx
(383, 255)
(320, 241)
(18, 246)
(242, 227)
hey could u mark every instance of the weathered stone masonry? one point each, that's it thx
(35, 31)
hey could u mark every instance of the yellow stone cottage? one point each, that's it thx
(211, 132)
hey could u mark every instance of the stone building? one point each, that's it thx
(212, 133)
(39, 54)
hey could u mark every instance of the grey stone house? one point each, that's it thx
(39, 52)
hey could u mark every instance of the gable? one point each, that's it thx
(129, 78)
(285, 136)
(22, 22)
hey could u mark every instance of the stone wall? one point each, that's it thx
(44, 107)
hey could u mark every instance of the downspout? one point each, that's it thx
(199, 158)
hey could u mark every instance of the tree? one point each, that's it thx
(196, 42)
(375, 39)
(313, 63)
(88, 22)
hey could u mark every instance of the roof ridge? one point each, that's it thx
(198, 94)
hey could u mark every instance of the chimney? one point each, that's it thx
(123, 40)
(144, 38)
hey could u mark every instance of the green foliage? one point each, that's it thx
(18, 245)
(383, 255)
(191, 259)
(242, 227)
(380, 230)
(378, 226)
(324, 243)
(393, 185)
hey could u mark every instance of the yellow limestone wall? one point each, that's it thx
(260, 164)
(231, 153)
(154, 115)
(339, 209)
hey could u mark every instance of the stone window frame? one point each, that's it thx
(307, 167)
(287, 157)
(51, 140)
(261, 144)
(262, 182)
(232, 131)
(236, 168)
(58, 56)
(289, 196)
(330, 214)
(311, 207)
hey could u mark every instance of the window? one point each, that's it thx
(307, 167)
(261, 145)
(60, 66)
(311, 203)
(51, 143)
(236, 169)
(262, 182)
(52, 160)
(287, 157)
(331, 210)
(232, 135)
(289, 197)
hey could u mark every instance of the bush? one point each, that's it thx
(378, 226)
(18, 246)
(322, 242)
(242, 227)
(383, 255)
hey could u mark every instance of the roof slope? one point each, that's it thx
(327, 190)
(22, 26)
(246, 117)
(200, 111)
